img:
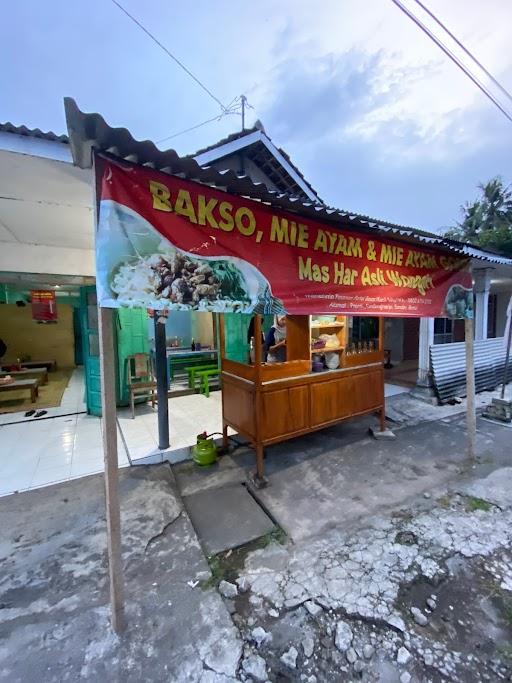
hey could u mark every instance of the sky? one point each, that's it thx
(375, 116)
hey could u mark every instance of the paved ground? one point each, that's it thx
(397, 567)
(423, 594)
(53, 600)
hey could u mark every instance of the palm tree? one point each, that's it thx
(487, 222)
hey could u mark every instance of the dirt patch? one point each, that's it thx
(472, 615)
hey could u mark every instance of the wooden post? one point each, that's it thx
(382, 414)
(108, 407)
(259, 476)
(470, 388)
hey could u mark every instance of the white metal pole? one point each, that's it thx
(470, 388)
(108, 407)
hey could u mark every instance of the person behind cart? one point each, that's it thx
(275, 343)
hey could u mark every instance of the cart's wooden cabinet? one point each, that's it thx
(271, 403)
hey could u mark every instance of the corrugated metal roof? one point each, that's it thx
(229, 138)
(90, 131)
(287, 181)
(9, 127)
(448, 362)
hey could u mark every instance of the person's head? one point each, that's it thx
(280, 320)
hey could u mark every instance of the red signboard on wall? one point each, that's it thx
(44, 305)
(165, 242)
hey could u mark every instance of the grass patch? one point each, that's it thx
(277, 535)
(226, 566)
(505, 651)
(507, 611)
(473, 503)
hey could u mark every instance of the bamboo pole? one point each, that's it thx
(470, 388)
(109, 433)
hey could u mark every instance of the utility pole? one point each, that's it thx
(243, 99)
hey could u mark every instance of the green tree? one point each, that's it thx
(487, 222)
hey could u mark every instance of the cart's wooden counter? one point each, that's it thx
(268, 403)
(271, 410)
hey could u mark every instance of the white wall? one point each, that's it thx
(394, 338)
(501, 312)
(31, 258)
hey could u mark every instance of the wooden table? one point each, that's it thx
(20, 384)
(32, 364)
(40, 374)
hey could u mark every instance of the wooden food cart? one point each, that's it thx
(269, 403)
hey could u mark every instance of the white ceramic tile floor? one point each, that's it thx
(394, 390)
(35, 453)
(188, 416)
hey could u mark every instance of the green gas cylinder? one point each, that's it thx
(205, 451)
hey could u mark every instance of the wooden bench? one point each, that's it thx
(20, 384)
(204, 380)
(31, 364)
(41, 374)
(179, 363)
(191, 371)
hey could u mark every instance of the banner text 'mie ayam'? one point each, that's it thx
(382, 263)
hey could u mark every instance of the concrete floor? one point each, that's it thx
(341, 475)
(54, 613)
(53, 587)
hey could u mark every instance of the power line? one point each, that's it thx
(169, 53)
(464, 48)
(237, 106)
(453, 57)
(203, 123)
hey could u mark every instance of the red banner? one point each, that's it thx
(44, 305)
(164, 242)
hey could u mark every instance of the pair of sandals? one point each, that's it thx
(33, 413)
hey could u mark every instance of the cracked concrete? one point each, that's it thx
(54, 610)
(377, 583)
(367, 584)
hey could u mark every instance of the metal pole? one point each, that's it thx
(161, 383)
(243, 100)
(470, 388)
(507, 358)
(109, 432)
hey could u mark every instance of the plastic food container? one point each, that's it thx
(317, 365)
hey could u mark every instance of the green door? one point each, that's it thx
(90, 349)
(132, 337)
(236, 327)
(235, 336)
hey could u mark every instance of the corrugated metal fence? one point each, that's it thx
(448, 363)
